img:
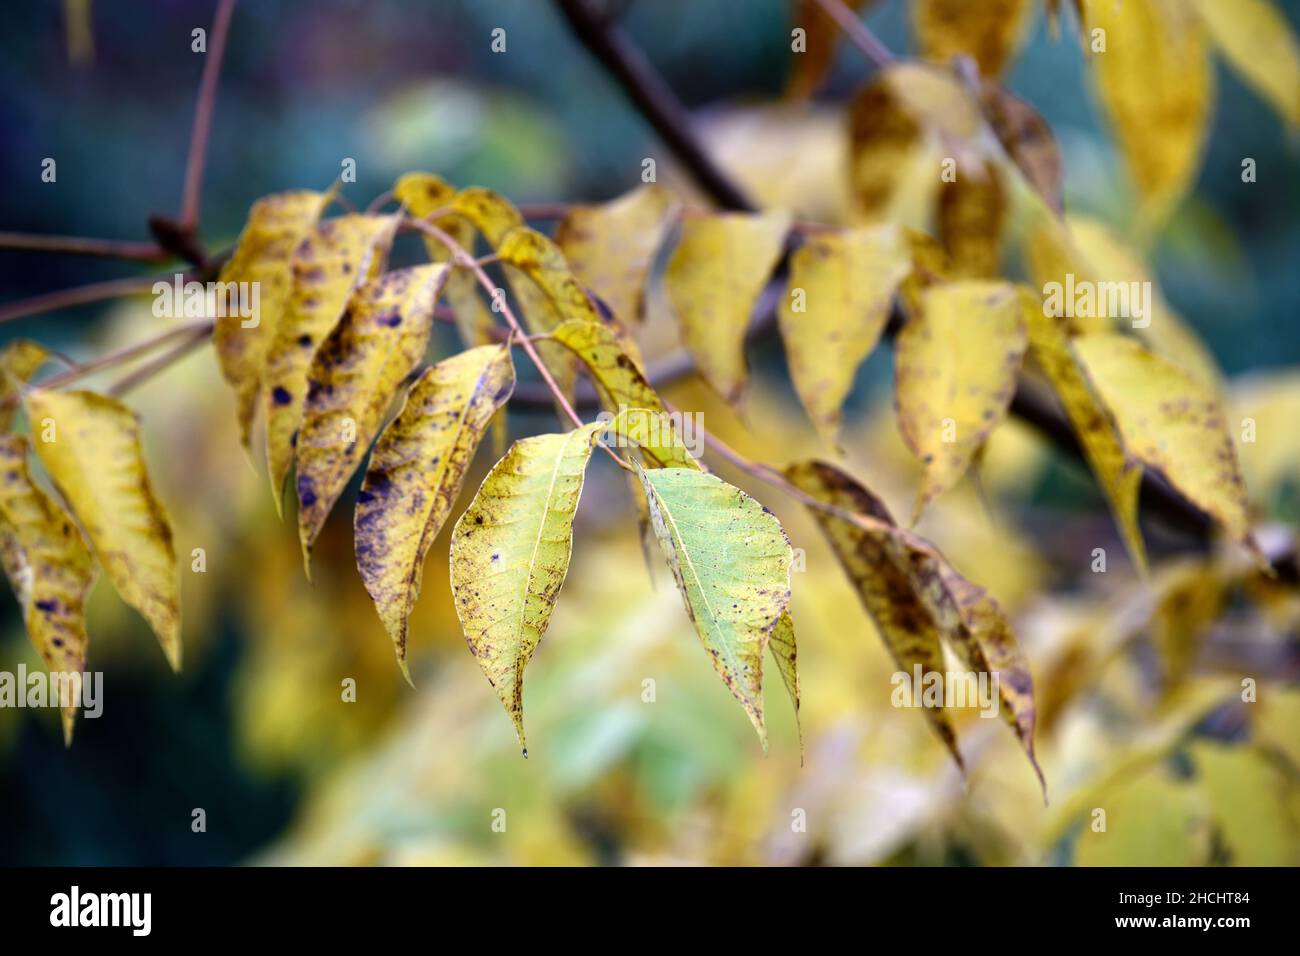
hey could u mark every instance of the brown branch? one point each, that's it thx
(189, 218)
(78, 295)
(76, 245)
(857, 32)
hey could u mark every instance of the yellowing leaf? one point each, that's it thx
(971, 212)
(1155, 82)
(713, 280)
(276, 225)
(990, 31)
(19, 361)
(836, 305)
(353, 378)
(884, 140)
(510, 554)
(820, 34)
(338, 256)
(415, 475)
(95, 459)
(424, 194)
(48, 566)
(1119, 475)
(955, 367)
(611, 247)
(616, 375)
(1258, 42)
(731, 561)
(786, 655)
(490, 213)
(1171, 422)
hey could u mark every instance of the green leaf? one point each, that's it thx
(731, 561)
(416, 471)
(510, 554)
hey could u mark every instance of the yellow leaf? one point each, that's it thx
(821, 33)
(276, 225)
(1153, 819)
(836, 305)
(1156, 85)
(415, 475)
(972, 210)
(338, 256)
(785, 653)
(1258, 42)
(510, 554)
(352, 381)
(731, 560)
(49, 568)
(423, 194)
(95, 459)
(611, 247)
(1171, 422)
(1119, 475)
(884, 143)
(616, 375)
(490, 213)
(19, 361)
(955, 367)
(713, 281)
(1248, 797)
(990, 31)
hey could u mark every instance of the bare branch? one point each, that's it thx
(189, 218)
(76, 245)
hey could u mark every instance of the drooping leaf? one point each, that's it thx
(276, 225)
(1028, 142)
(713, 280)
(989, 31)
(611, 247)
(836, 305)
(424, 194)
(731, 561)
(19, 361)
(884, 143)
(821, 33)
(955, 367)
(48, 566)
(785, 653)
(1156, 84)
(917, 599)
(489, 212)
(353, 379)
(329, 265)
(415, 475)
(1171, 422)
(1118, 474)
(94, 457)
(1258, 42)
(616, 375)
(971, 212)
(510, 554)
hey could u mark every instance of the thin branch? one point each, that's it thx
(78, 295)
(203, 114)
(196, 337)
(857, 32)
(653, 97)
(76, 245)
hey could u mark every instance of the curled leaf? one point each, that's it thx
(48, 566)
(510, 554)
(415, 475)
(90, 446)
(352, 381)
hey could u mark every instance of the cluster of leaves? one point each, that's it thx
(336, 365)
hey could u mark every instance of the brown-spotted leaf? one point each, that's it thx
(971, 212)
(713, 281)
(1172, 422)
(329, 265)
(415, 475)
(19, 361)
(836, 305)
(1028, 142)
(955, 367)
(989, 31)
(611, 247)
(90, 446)
(48, 566)
(510, 554)
(353, 379)
(276, 225)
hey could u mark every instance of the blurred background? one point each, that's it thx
(1138, 684)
